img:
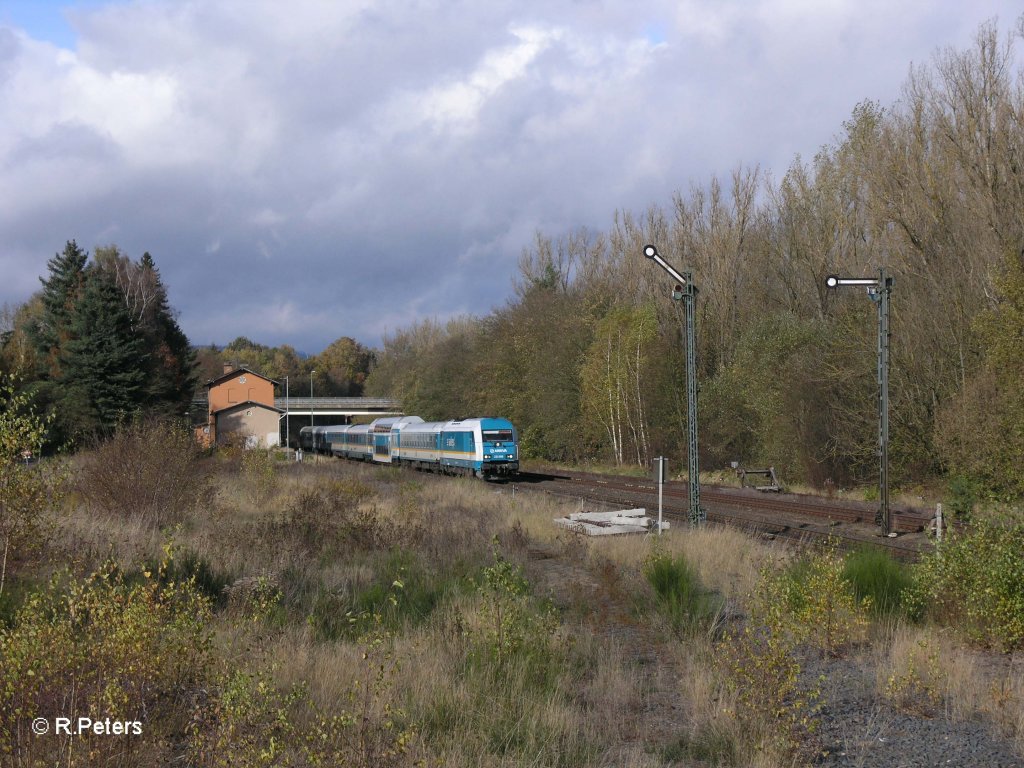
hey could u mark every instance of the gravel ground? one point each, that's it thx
(859, 728)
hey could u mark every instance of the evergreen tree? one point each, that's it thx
(170, 371)
(59, 295)
(103, 363)
(172, 361)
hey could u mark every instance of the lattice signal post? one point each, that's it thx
(686, 292)
(879, 290)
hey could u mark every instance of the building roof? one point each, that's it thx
(247, 404)
(235, 372)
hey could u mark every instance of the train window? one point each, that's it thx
(498, 435)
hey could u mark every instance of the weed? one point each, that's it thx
(26, 492)
(916, 687)
(964, 493)
(514, 624)
(420, 592)
(250, 722)
(773, 709)
(712, 744)
(190, 566)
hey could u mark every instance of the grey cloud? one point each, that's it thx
(309, 170)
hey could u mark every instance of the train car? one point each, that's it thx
(386, 434)
(320, 444)
(306, 439)
(484, 447)
(353, 442)
(313, 439)
(333, 436)
(419, 446)
(356, 441)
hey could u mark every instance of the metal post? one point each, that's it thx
(686, 292)
(884, 289)
(311, 396)
(661, 490)
(287, 435)
(660, 471)
(697, 515)
(880, 290)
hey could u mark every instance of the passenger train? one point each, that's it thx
(480, 447)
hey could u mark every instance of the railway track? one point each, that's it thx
(775, 516)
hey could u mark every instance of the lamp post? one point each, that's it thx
(686, 292)
(311, 396)
(879, 289)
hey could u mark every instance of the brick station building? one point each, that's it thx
(241, 409)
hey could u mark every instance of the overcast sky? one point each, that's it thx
(308, 169)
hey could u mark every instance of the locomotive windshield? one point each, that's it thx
(498, 435)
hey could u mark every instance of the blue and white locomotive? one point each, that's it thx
(480, 447)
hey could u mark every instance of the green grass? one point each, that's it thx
(209, 580)
(873, 573)
(404, 594)
(681, 597)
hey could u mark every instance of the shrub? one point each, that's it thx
(323, 516)
(975, 582)
(189, 566)
(248, 721)
(875, 575)
(821, 606)
(918, 684)
(107, 646)
(26, 492)
(806, 603)
(964, 493)
(774, 709)
(149, 471)
(514, 625)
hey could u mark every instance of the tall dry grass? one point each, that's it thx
(929, 670)
(726, 560)
(312, 554)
